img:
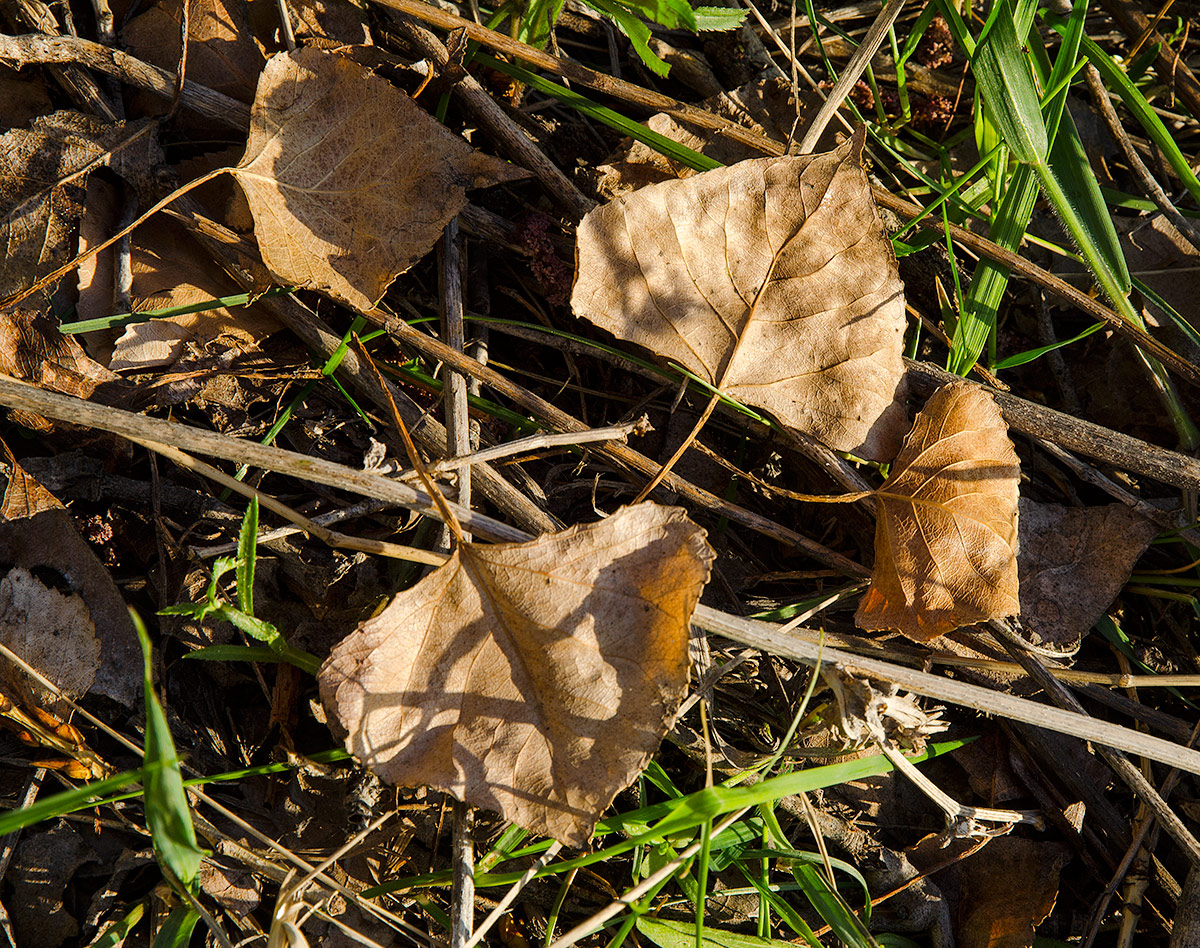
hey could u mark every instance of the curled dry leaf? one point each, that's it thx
(533, 678)
(772, 280)
(946, 533)
(349, 181)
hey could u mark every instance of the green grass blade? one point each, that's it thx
(67, 801)
(1002, 74)
(247, 546)
(177, 929)
(668, 933)
(129, 319)
(1021, 358)
(303, 660)
(683, 816)
(606, 116)
(990, 280)
(1116, 80)
(116, 933)
(167, 813)
(832, 908)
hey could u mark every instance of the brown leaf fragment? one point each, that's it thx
(772, 280)
(1073, 563)
(170, 270)
(535, 678)
(349, 181)
(1007, 890)
(42, 173)
(222, 53)
(946, 528)
(59, 608)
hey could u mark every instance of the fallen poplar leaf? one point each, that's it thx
(349, 181)
(772, 280)
(946, 533)
(1073, 563)
(532, 678)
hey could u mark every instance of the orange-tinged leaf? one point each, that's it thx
(349, 181)
(771, 279)
(946, 534)
(532, 678)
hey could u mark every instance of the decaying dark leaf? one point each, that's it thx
(772, 280)
(1072, 564)
(535, 678)
(946, 533)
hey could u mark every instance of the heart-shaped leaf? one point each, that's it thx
(349, 182)
(531, 678)
(946, 533)
(772, 280)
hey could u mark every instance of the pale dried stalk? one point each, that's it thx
(397, 551)
(854, 69)
(16, 394)
(766, 636)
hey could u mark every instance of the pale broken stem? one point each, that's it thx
(585, 928)
(956, 813)
(511, 895)
(679, 452)
(767, 637)
(1110, 752)
(458, 441)
(17, 394)
(396, 551)
(850, 75)
(539, 442)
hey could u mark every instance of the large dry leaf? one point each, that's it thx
(349, 181)
(1072, 564)
(772, 279)
(535, 678)
(946, 533)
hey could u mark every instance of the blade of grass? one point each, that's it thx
(177, 929)
(615, 120)
(118, 931)
(167, 813)
(683, 816)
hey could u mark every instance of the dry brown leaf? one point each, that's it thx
(946, 531)
(59, 608)
(1072, 564)
(222, 53)
(349, 181)
(772, 280)
(535, 678)
(40, 210)
(169, 270)
(1007, 889)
